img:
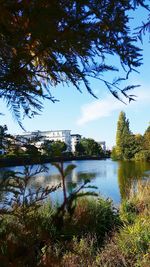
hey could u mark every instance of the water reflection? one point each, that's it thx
(129, 173)
(72, 181)
(113, 179)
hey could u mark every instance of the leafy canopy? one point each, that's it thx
(44, 43)
(88, 147)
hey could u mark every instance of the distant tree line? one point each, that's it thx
(128, 145)
(88, 147)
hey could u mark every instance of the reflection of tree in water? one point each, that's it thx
(128, 175)
(77, 178)
(16, 185)
(71, 181)
(45, 180)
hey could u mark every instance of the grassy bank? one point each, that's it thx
(130, 246)
(93, 234)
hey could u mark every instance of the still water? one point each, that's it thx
(112, 179)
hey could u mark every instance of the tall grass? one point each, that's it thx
(130, 247)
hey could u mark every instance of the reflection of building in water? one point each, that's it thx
(74, 176)
(44, 180)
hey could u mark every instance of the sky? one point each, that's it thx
(90, 117)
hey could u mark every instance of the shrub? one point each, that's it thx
(92, 216)
(128, 211)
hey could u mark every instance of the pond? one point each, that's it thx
(112, 179)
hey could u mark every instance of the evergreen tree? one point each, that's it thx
(122, 136)
(45, 43)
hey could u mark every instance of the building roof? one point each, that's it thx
(76, 135)
(37, 131)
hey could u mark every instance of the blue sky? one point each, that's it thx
(83, 114)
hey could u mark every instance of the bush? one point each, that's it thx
(128, 211)
(92, 216)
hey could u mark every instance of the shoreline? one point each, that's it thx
(20, 161)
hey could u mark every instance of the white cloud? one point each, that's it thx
(98, 109)
(104, 108)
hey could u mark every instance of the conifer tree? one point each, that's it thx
(45, 43)
(123, 135)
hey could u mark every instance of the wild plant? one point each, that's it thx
(21, 236)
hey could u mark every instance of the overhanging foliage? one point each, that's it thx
(44, 43)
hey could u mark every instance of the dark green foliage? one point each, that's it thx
(80, 150)
(53, 148)
(6, 139)
(3, 130)
(32, 150)
(45, 43)
(88, 147)
(131, 147)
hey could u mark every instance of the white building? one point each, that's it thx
(57, 135)
(75, 138)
